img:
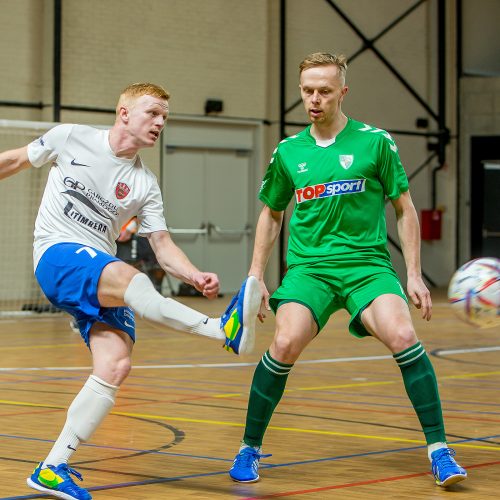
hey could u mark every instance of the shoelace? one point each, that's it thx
(247, 457)
(66, 470)
(445, 457)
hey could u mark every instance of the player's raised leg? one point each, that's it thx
(123, 284)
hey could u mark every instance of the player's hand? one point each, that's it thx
(264, 305)
(125, 236)
(207, 284)
(420, 296)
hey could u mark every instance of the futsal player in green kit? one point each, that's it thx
(340, 171)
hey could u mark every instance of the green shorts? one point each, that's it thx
(326, 287)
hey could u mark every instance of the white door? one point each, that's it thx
(208, 197)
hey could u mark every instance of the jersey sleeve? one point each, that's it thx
(276, 189)
(390, 169)
(46, 148)
(150, 216)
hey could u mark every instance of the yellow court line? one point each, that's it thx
(318, 388)
(364, 384)
(296, 429)
(276, 428)
(368, 384)
(471, 375)
(341, 386)
(35, 405)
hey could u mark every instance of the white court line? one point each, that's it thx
(200, 365)
(238, 365)
(466, 351)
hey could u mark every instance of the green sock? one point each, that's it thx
(268, 385)
(421, 385)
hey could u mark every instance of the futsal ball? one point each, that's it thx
(474, 292)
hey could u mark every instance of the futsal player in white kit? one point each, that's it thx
(96, 183)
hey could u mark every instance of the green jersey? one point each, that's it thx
(339, 193)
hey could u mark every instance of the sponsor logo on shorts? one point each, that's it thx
(334, 188)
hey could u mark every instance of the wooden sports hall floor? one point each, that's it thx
(344, 429)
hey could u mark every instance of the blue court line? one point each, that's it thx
(263, 466)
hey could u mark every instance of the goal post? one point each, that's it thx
(20, 197)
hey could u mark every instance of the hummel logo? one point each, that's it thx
(302, 167)
(76, 164)
(71, 447)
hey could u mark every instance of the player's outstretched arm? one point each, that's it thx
(13, 161)
(175, 262)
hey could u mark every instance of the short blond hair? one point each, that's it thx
(324, 59)
(135, 90)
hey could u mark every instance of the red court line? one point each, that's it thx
(360, 483)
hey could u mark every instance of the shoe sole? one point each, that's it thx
(251, 305)
(451, 480)
(245, 482)
(53, 493)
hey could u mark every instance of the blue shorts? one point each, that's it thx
(68, 274)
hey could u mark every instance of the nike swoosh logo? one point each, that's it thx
(76, 164)
(205, 321)
(71, 447)
(126, 324)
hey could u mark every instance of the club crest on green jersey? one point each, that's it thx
(346, 161)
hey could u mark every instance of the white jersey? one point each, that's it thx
(90, 192)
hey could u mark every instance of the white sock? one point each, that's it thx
(431, 448)
(142, 297)
(85, 413)
(244, 445)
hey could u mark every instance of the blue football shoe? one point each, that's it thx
(444, 468)
(57, 482)
(245, 467)
(238, 322)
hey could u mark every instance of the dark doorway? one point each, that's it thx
(485, 196)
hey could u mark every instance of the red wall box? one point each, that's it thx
(430, 224)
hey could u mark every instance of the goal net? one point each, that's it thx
(20, 197)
